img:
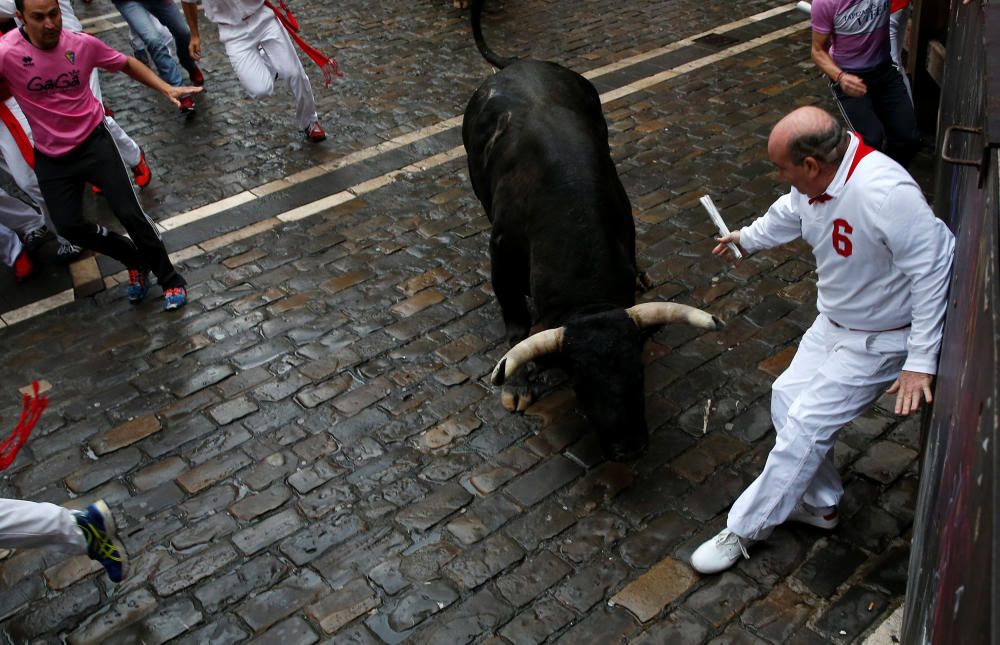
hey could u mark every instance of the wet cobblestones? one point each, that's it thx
(311, 452)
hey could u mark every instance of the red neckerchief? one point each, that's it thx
(326, 63)
(860, 153)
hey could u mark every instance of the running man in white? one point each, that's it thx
(32, 525)
(883, 263)
(260, 50)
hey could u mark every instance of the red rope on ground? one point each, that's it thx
(31, 412)
(326, 63)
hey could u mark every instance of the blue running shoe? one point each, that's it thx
(174, 298)
(138, 285)
(98, 526)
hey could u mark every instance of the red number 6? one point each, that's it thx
(842, 243)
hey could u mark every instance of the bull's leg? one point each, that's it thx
(516, 394)
(510, 284)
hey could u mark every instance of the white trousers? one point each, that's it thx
(259, 49)
(897, 30)
(39, 525)
(16, 218)
(836, 375)
(10, 245)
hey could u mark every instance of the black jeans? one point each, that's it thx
(96, 160)
(884, 115)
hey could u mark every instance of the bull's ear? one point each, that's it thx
(499, 372)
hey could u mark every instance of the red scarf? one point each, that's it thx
(326, 63)
(30, 413)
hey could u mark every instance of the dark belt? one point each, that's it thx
(866, 331)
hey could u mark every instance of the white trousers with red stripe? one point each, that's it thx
(260, 49)
(39, 525)
(836, 375)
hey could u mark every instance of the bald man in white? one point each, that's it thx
(883, 263)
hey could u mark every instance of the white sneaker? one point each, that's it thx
(720, 553)
(818, 518)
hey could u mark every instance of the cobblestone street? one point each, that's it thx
(311, 450)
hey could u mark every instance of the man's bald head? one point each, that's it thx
(808, 132)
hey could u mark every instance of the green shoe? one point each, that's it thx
(98, 526)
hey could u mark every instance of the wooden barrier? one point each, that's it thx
(954, 574)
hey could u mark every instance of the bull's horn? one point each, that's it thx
(660, 313)
(540, 344)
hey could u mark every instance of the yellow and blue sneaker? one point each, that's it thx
(98, 526)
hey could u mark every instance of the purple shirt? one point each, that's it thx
(53, 86)
(859, 31)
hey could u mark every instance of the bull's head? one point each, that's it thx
(603, 354)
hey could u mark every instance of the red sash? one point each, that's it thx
(291, 25)
(20, 136)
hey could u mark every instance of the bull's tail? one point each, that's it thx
(477, 33)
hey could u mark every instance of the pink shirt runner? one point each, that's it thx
(859, 31)
(53, 86)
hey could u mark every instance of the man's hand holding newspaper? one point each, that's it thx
(728, 242)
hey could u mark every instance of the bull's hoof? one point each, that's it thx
(516, 398)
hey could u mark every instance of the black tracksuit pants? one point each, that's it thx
(97, 161)
(884, 115)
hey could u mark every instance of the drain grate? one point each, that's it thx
(717, 40)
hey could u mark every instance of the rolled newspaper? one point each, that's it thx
(716, 217)
(804, 7)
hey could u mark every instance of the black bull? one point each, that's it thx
(563, 236)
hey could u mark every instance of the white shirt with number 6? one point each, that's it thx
(882, 258)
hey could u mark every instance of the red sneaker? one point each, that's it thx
(315, 133)
(23, 267)
(187, 104)
(197, 78)
(141, 172)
